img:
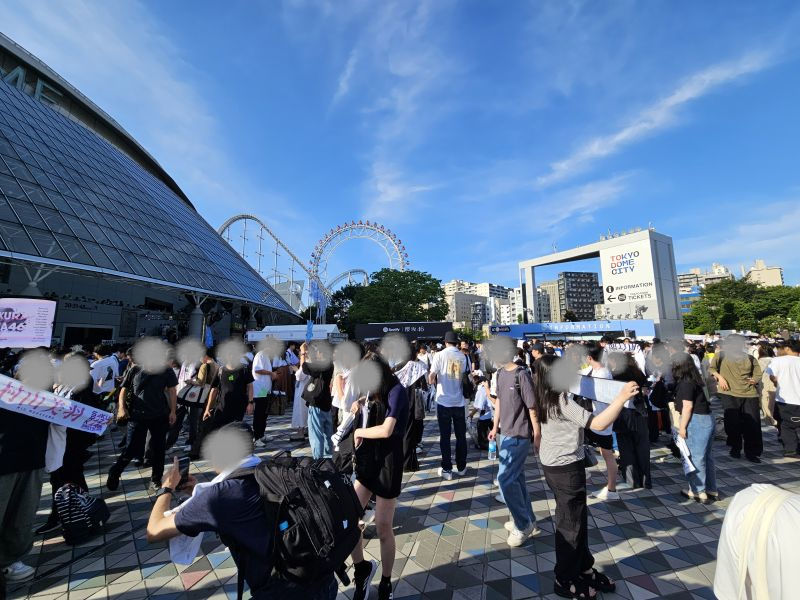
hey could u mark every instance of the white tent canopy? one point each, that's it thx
(297, 333)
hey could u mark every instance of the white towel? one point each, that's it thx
(183, 548)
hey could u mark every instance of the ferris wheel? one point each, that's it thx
(383, 236)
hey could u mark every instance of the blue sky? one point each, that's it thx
(481, 133)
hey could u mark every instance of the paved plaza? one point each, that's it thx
(450, 535)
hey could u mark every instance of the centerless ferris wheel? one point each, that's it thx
(383, 236)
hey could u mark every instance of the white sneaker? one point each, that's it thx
(604, 494)
(496, 483)
(509, 525)
(369, 517)
(462, 472)
(516, 537)
(260, 444)
(446, 475)
(623, 486)
(18, 571)
(500, 499)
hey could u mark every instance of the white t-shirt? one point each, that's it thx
(103, 371)
(782, 550)
(449, 365)
(482, 402)
(262, 384)
(786, 369)
(597, 406)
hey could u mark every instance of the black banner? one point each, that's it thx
(413, 331)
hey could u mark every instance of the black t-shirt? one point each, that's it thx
(149, 398)
(23, 442)
(232, 384)
(234, 510)
(688, 390)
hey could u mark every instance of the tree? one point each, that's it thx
(570, 316)
(520, 319)
(338, 310)
(742, 305)
(773, 325)
(398, 296)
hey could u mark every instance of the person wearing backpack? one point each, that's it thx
(378, 465)
(318, 365)
(738, 374)
(234, 507)
(514, 417)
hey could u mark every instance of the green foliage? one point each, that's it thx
(470, 335)
(743, 304)
(390, 296)
(570, 317)
(520, 319)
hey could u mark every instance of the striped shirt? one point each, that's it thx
(562, 436)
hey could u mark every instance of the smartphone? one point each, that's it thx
(183, 468)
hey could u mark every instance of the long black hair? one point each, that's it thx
(683, 368)
(388, 379)
(546, 401)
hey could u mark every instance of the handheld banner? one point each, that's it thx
(17, 397)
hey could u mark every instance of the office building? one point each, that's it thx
(459, 306)
(479, 315)
(488, 290)
(578, 293)
(688, 298)
(763, 275)
(549, 305)
(89, 218)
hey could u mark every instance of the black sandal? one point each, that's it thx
(599, 581)
(578, 589)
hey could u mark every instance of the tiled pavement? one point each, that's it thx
(450, 535)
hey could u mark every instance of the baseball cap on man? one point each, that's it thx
(450, 337)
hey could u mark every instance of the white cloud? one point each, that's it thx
(655, 117)
(344, 79)
(769, 232)
(390, 197)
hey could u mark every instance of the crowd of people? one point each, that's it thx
(363, 407)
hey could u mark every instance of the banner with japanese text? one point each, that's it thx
(17, 397)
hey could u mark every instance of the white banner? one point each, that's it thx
(602, 390)
(19, 398)
(26, 322)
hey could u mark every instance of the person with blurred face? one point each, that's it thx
(233, 508)
(602, 439)
(447, 369)
(562, 422)
(318, 365)
(515, 427)
(737, 374)
(153, 403)
(378, 467)
(231, 394)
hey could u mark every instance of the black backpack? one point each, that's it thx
(316, 517)
(467, 387)
(81, 515)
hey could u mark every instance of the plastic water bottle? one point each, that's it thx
(492, 450)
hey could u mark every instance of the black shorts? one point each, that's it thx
(606, 442)
(379, 466)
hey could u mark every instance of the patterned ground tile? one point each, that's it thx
(450, 535)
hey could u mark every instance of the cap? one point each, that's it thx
(450, 337)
